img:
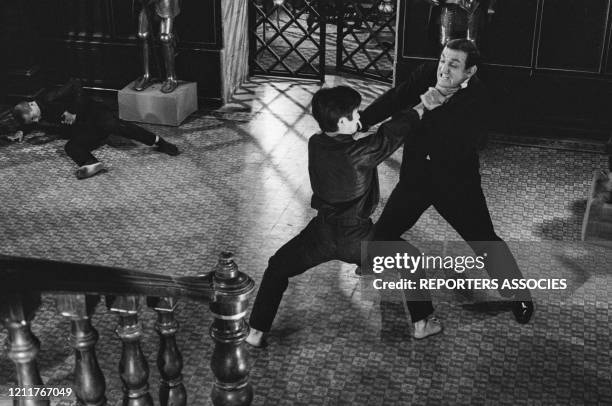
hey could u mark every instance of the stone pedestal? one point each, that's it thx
(154, 107)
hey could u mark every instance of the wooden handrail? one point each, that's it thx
(43, 275)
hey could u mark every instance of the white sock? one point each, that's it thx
(156, 140)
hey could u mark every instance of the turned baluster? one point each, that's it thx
(169, 359)
(229, 361)
(133, 367)
(16, 311)
(88, 378)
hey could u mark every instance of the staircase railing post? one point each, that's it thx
(133, 367)
(169, 359)
(88, 377)
(230, 359)
(16, 312)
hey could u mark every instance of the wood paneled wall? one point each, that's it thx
(95, 40)
(547, 62)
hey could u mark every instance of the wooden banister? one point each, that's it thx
(78, 287)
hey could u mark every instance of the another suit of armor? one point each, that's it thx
(461, 18)
(166, 10)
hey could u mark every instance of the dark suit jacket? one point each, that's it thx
(53, 103)
(450, 135)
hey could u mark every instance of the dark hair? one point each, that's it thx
(20, 111)
(467, 46)
(331, 104)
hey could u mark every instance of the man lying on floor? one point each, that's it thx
(85, 122)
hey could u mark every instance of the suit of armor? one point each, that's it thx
(166, 10)
(461, 18)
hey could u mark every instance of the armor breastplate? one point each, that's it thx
(460, 18)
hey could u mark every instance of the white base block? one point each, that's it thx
(154, 107)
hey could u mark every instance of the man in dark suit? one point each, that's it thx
(87, 123)
(440, 167)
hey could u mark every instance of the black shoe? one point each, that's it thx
(522, 310)
(360, 272)
(167, 147)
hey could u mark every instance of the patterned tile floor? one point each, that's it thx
(241, 184)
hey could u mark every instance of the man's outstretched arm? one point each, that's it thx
(374, 149)
(399, 98)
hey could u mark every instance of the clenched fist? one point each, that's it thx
(68, 118)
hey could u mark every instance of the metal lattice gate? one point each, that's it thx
(366, 39)
(287, 38)
(290, 37)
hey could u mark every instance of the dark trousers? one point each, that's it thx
(321, 241)
(92, 130)
(418, 301)
(464, 207)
